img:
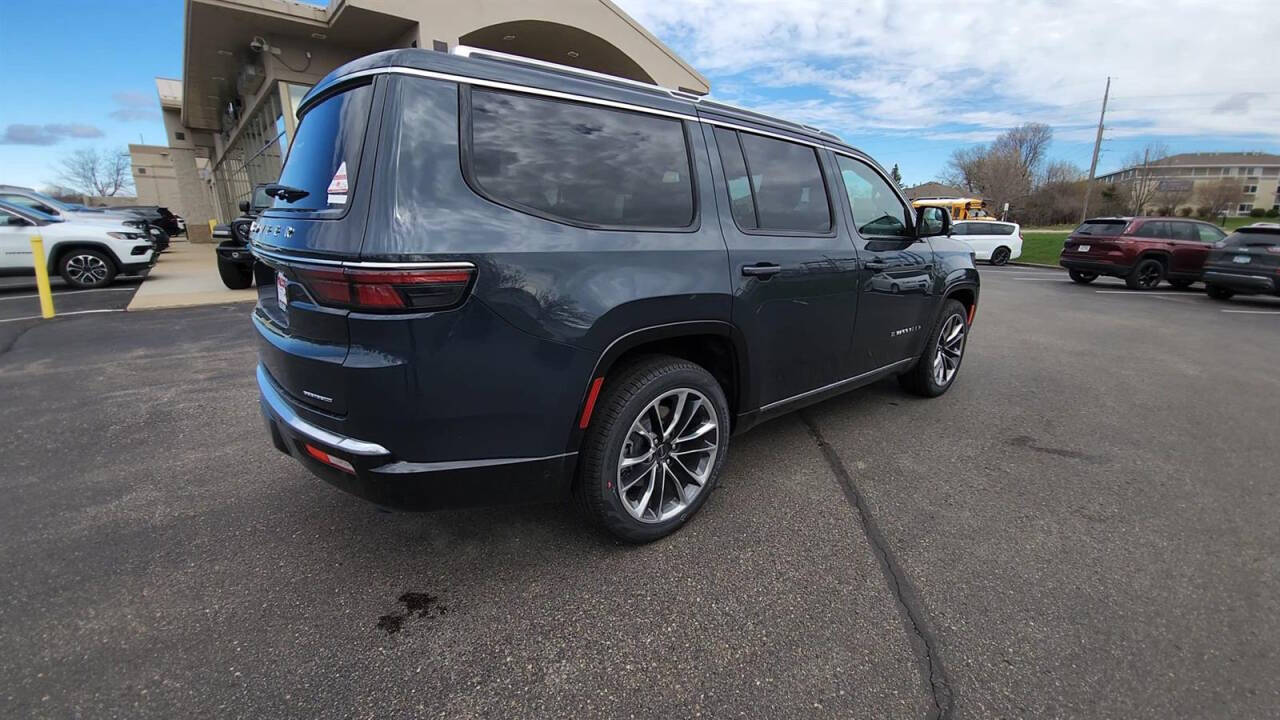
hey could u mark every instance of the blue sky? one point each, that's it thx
(906, 80)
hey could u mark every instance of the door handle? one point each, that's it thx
(877, 266)
(765, 270)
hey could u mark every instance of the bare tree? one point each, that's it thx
(1061, 171)
(1029, 143)
(97, 172)
(1145, 180)
(962, 168)
(1221, 196)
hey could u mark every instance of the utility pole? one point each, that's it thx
(1097, 146)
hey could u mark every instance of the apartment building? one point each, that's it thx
(1187, 176)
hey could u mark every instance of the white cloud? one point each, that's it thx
(964, 71)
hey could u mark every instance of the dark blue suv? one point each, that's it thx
(500, 280)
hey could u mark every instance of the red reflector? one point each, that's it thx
(973, 310)
(591, 403)
(328, 459)
(392, 289)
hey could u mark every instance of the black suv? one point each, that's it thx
(499, 280)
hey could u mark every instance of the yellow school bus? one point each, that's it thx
(961, 208)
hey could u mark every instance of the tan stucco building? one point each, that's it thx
(1189, 175)
(247, 63)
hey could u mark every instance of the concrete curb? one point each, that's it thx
(1036, 265)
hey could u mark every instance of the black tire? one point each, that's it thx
(627, 394)
(234, 275)
(1217, 292)
(1082, 277)
(1000, 255)
(86, 269)
(920, 379)
(1146, 275)
(159, 237)
(1181, 284)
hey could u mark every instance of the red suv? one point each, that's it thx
(1142, 250)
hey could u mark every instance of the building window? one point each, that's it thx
(1249, 189)
(1200, 171)
(1244, 208)
(142, 171)
(1226, 171)
(180, 136)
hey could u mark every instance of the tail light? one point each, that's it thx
(389, 290)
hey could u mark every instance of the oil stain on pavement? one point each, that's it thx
(415, 603)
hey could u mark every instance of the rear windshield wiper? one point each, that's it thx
(287, 193)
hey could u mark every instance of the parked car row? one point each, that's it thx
(88, 252)
(1146, 251)
(157, 222)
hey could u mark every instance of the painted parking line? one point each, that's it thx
(59, 293)
(1142, 292)
(1255, 312)
(62, 314)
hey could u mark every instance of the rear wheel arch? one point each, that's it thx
(715, 345)
(1160, 255)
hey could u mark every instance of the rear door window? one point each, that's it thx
(579, 163)
(1155, 229)
(787, 184)
(1184, 231)
(325, 153)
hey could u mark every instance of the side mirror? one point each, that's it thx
(932, 221)
(244, 206)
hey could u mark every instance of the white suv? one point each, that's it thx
(86, 253)
(994, 241)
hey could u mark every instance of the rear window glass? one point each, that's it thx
(1101, 227)
(961, 229)
(325, 153)
(1154, 229)
(1246, 238)
(584, 164)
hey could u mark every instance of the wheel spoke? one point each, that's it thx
(703, 429)
(692, 475)
(675, 483)
(628, 462)
(648, 491)
(669, 431)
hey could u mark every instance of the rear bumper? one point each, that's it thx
(1095, 266)
(1243, 283)
(381, 478)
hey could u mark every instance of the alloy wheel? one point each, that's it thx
(1000, 256)
(668, 455)
(87, 269)
(946, 359)
(1149, 275)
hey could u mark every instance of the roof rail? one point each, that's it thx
(469, 51)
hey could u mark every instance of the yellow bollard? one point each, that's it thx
(212, 224)
(42, 277)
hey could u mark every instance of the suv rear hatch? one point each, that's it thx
(316, 221)
(1095, 238)
(338, 330)
(1247, 251)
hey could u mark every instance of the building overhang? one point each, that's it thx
(218, 33)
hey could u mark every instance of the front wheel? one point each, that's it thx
(1082, 277)
(1146, 275)
(1217, 292)
(235, 276)
(1000, 256)
(85, 269)
(939, 364)
(653, 452)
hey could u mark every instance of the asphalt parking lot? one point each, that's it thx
(20, 300)
(1084, 526)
